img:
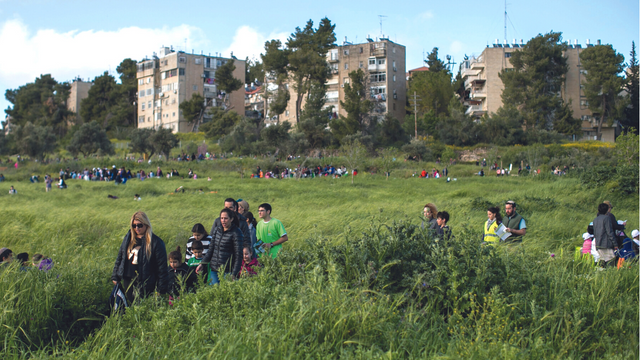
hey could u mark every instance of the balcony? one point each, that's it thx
(478, 94)
(379, 52)
(477, 65)
(475, 110)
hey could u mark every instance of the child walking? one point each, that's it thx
(178, 271)
(200, 234)
(197, 249)
(249, 263)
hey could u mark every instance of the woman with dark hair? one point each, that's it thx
(225, 249)
(142, 260)
(491, 225)
(430, 214)
(252, 223)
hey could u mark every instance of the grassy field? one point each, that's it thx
(358, 278)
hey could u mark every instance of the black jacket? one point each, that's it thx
(187, 275)
(153, 269)
(225, 250)
(246, 234)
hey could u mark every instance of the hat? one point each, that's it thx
(635, 233)
(587, 236)
(511, 202)
(608, 203)
(113, 166)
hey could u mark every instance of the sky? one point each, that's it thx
(84, 38)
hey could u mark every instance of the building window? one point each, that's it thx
(141, 119)
(394, 78)
(361, 64)
(140, 81)
(181, 71)
(345, 80)
(149, 105)
(346, 51)
(394, 106)
(378, 77)
(148, 80)
(198, 61)
(195, 87)
(174, 114)
(394, 49)
(149, 92)
(287, 113)
(182, 59)
(381, 61)
(507, 54)
(361, 50)
(394, 63)
(346, 66)
(584, 103)
(142, 106)
(141, 93)
(372, 61)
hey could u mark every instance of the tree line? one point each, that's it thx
(533, 110)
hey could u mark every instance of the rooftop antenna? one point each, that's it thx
(381, 19)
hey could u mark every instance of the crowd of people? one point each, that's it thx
(231, 249)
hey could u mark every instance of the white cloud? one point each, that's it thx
(427, 15)
(456, 46)
(249, 42)
(89, 53)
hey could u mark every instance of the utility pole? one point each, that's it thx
(415, 99)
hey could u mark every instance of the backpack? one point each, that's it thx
(626, 251)
(118, 300)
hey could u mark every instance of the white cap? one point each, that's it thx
(635, 233)
(587, 236)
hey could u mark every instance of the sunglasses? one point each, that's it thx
(137, 226)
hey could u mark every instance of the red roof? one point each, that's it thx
(256, 90)
(424, 68)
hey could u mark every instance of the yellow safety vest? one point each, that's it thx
(490, 232)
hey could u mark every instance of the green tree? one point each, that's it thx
(388, 160)
(275, 61)
(103, 96)
(162, 141)
(434, 63)
(391, 132)
(227, 82)
(90, 138)
(603, 82)
(276, 136)
(33, 140)
(458, 128)
(434, 91)
(417, 148)
(354, 154)
(632, 85)
(504, 127)
(42, 103)
(307, 58)
(534, 84)
(222, 123)
(314, 118)
(255, 71)
(193, 109)
(627, 148)
(356, 104)
(140, 141)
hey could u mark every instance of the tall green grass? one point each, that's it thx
(358, 279)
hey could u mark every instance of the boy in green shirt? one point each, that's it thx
(270, 231)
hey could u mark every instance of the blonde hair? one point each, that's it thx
(141, 217)
(244, 204)
(432, 209)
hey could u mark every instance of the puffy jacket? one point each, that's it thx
(243, 227)
(225, 250)
(153, 269)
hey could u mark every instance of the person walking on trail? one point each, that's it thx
(225, 250)
(141, 263)
(230, 203)
(270, 231)
(430, 213)
(491, 225)
(604, 235)
(514, 223)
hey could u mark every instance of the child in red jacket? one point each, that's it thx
(249, 263)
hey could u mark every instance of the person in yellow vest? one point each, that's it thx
(493, 222)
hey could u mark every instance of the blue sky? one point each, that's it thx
(86, 38)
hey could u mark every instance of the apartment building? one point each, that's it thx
(78, 92)
(171, 77)
(483, 86)
(382, 60)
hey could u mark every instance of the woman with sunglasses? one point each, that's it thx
(225, 249)
(141, 264)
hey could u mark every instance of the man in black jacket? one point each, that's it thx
(604, 234)
(231, 204)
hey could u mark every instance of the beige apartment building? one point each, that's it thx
(78, 92)
(384, 63)
(483, 86)
(171, 77)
